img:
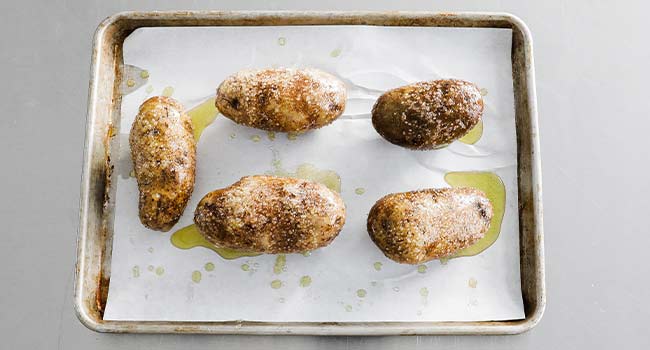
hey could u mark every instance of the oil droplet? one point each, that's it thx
(281, 300)
(291, 136)
(305, 281)
(444, 261)
(492, 186)
(377, 265)
(136, 271)
(473, 135)
(150, 267)
(130, 83)
(472, 282)
(160, 270)
(270, 135)
(359, 190)
(150, 250)
(396, 289)
(209, 266)
(190, 237)
(196, 276)
(202, 116)
(306, 254)
(422, 269)
(132, 173)
(233, 135)
(309, 172)
(373, 283)
(335, 52)
(276, 284)
(256, 138)
(144, 74)
(168, 91)
(282, 41)
(280, 264)
(361, 293)
(419, 313)
(424, 292)
(149, 89)
(483, 91)
(348, 308)
(245, 267)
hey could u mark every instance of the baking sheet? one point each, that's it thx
(192, 62)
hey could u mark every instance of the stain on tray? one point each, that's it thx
(135, 271)
(472, 282)
(282, 41)
(359, 190)
(335, 52)
(190, 237)
(160, 270)
(493, 187)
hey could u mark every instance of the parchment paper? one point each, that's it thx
(370, 60)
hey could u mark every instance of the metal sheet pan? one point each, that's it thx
(95, 226)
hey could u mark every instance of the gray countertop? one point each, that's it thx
(592, 63)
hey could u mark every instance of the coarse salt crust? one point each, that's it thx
(418, 226)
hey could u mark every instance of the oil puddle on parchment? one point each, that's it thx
(202, 116)
(473, 135)
(190, 237)
(492, 185)
(309, 172)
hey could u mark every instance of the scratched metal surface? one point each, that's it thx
(591, 75)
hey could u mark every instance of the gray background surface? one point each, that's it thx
(591, 60)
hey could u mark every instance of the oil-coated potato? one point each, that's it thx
(427, 115)
(164, 159)
(269, 214)
(418, 226)
(288, 100)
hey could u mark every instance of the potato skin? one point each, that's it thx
(269, 214)
(418, 226)
(282, 99)
(427, 115)
(164, 159)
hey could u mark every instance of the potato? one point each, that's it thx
(288, 100)
(427, 115)
(269, 214)
(164, 159)
(418, 226)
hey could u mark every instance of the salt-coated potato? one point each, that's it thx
(282, 99)
(427, 115)
(418, 226)
(164, 160)
(269, 214)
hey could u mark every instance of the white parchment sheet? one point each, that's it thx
(152, 280)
